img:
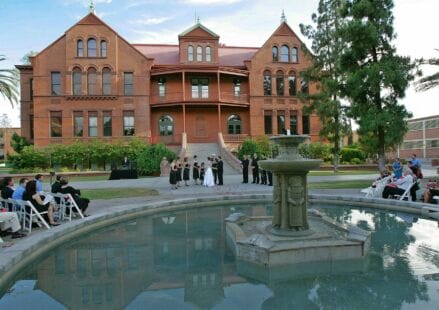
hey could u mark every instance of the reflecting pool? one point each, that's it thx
(181, 261)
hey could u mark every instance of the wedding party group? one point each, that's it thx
(209, 173)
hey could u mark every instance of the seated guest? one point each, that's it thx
(432, 190)
(76, 194)
(39, 182)
(7, 188)
(30, 194)
(399, 186)
(18, 193)
(9, 220)
(56, 186)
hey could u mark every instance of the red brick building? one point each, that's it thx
(91, 83)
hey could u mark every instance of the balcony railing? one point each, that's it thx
(234, 137)
(177, 97)
(234, 97)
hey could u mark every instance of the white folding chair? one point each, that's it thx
(66, 202)
(31, 215)
(376, 191)
(406, 194)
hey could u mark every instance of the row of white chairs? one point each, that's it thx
(28, 214)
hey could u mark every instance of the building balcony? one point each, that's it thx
(177, 97)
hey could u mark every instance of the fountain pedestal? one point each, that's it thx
(293, 236)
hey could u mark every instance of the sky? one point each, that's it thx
(33, 24)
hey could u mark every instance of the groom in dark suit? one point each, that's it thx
(220, 170)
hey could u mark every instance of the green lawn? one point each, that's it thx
(347, 172)
(340, 184)
(110, 193)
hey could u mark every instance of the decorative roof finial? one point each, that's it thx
(283, 18)
(91, 7)
(198, 19)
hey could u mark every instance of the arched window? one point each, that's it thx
(190, 53)
(91, 48)
(295, 55)
(267, 83)
(166, 125)
(91, 81)
(80, 48)
(275, 54)
(199, 53)
(280, 87)
(208, 54)
(234, 125)
(103, 48)
(292, 84)
(77, 81)
(106, 81)
(284, 53)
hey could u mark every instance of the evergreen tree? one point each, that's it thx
(325, 71)
(376, 77)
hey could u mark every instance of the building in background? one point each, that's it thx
(5, 141)
(93, 84)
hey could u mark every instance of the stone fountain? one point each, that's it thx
(294, 238)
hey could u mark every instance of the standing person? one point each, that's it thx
(202, 172)
(214, 168)
(195, 170)
(34, 197)
(39, 182)
(263, 174)
(7, 188)
(255, 169)
(220, 166)
(208, 178)
(164, 167)
(416, 167)
(179, 170)
(18, 193)
(173, 174)
(244, 165)
(270, 178)
(186, 171)
(397, 168)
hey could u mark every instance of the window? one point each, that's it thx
(236, 87)
(166, 125)
(31, 89)
(267, 83)
(92, 124)
(56, 83)
(106, 81)
(280, 122)
(208, 54)
(293, 122)
(304, 85)
(91, 81)
(103, 48)
(415, 126)
(280, 87)
(432, 123)
(56, 124)
(275, 54)
(268, 123)
(77, 81)
(234, 125)
(78, 124)
(292, 84)
(199, 53)
(190, 53)
(284, 53)
(295, 55)
(80, 48)
(91, 48)
(200, 88)
(128, 123)
(128, 83)
(306, 128)
(162, 87)
(107, 122)
(31, 125)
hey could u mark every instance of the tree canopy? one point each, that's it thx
(9, 84)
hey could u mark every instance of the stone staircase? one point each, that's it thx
(204, 150)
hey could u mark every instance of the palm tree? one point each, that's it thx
(9, 84)
(430, 81)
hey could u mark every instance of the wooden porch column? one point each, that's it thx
(183, 86)
(184, 117)
(184, 100)
(219, 87)
(219, 117)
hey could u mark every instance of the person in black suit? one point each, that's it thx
(215, 168)
(244, 165)
(76, 194)
(255, 169)
(220, 168)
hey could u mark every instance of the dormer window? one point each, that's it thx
(208, 54)
(199, 53)
(91, 48)
(103, 48)
(190, 53)
(80, 48)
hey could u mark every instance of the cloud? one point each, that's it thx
(209, 2)
(149, 21)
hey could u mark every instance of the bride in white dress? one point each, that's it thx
(208, 176)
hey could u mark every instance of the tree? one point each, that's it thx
(9, 84)
(375, 76)
(18, 142)
(325, 71)
(25, 60)
(430, 81)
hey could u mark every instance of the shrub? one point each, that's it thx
(348, 154)
(29, 158)
(148, 161)
(356, 161)
(248, 147)
(316, 150)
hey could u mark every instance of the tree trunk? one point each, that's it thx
(381, 149)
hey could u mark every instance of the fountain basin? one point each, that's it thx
(290, 166)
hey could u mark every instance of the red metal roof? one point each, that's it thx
(169, 54)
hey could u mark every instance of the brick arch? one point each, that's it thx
(71, 67)
(92, 66)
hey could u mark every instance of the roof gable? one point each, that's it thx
(90, 19)
(198, 30)
(284, 30)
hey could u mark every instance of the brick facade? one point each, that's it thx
(100, 88)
